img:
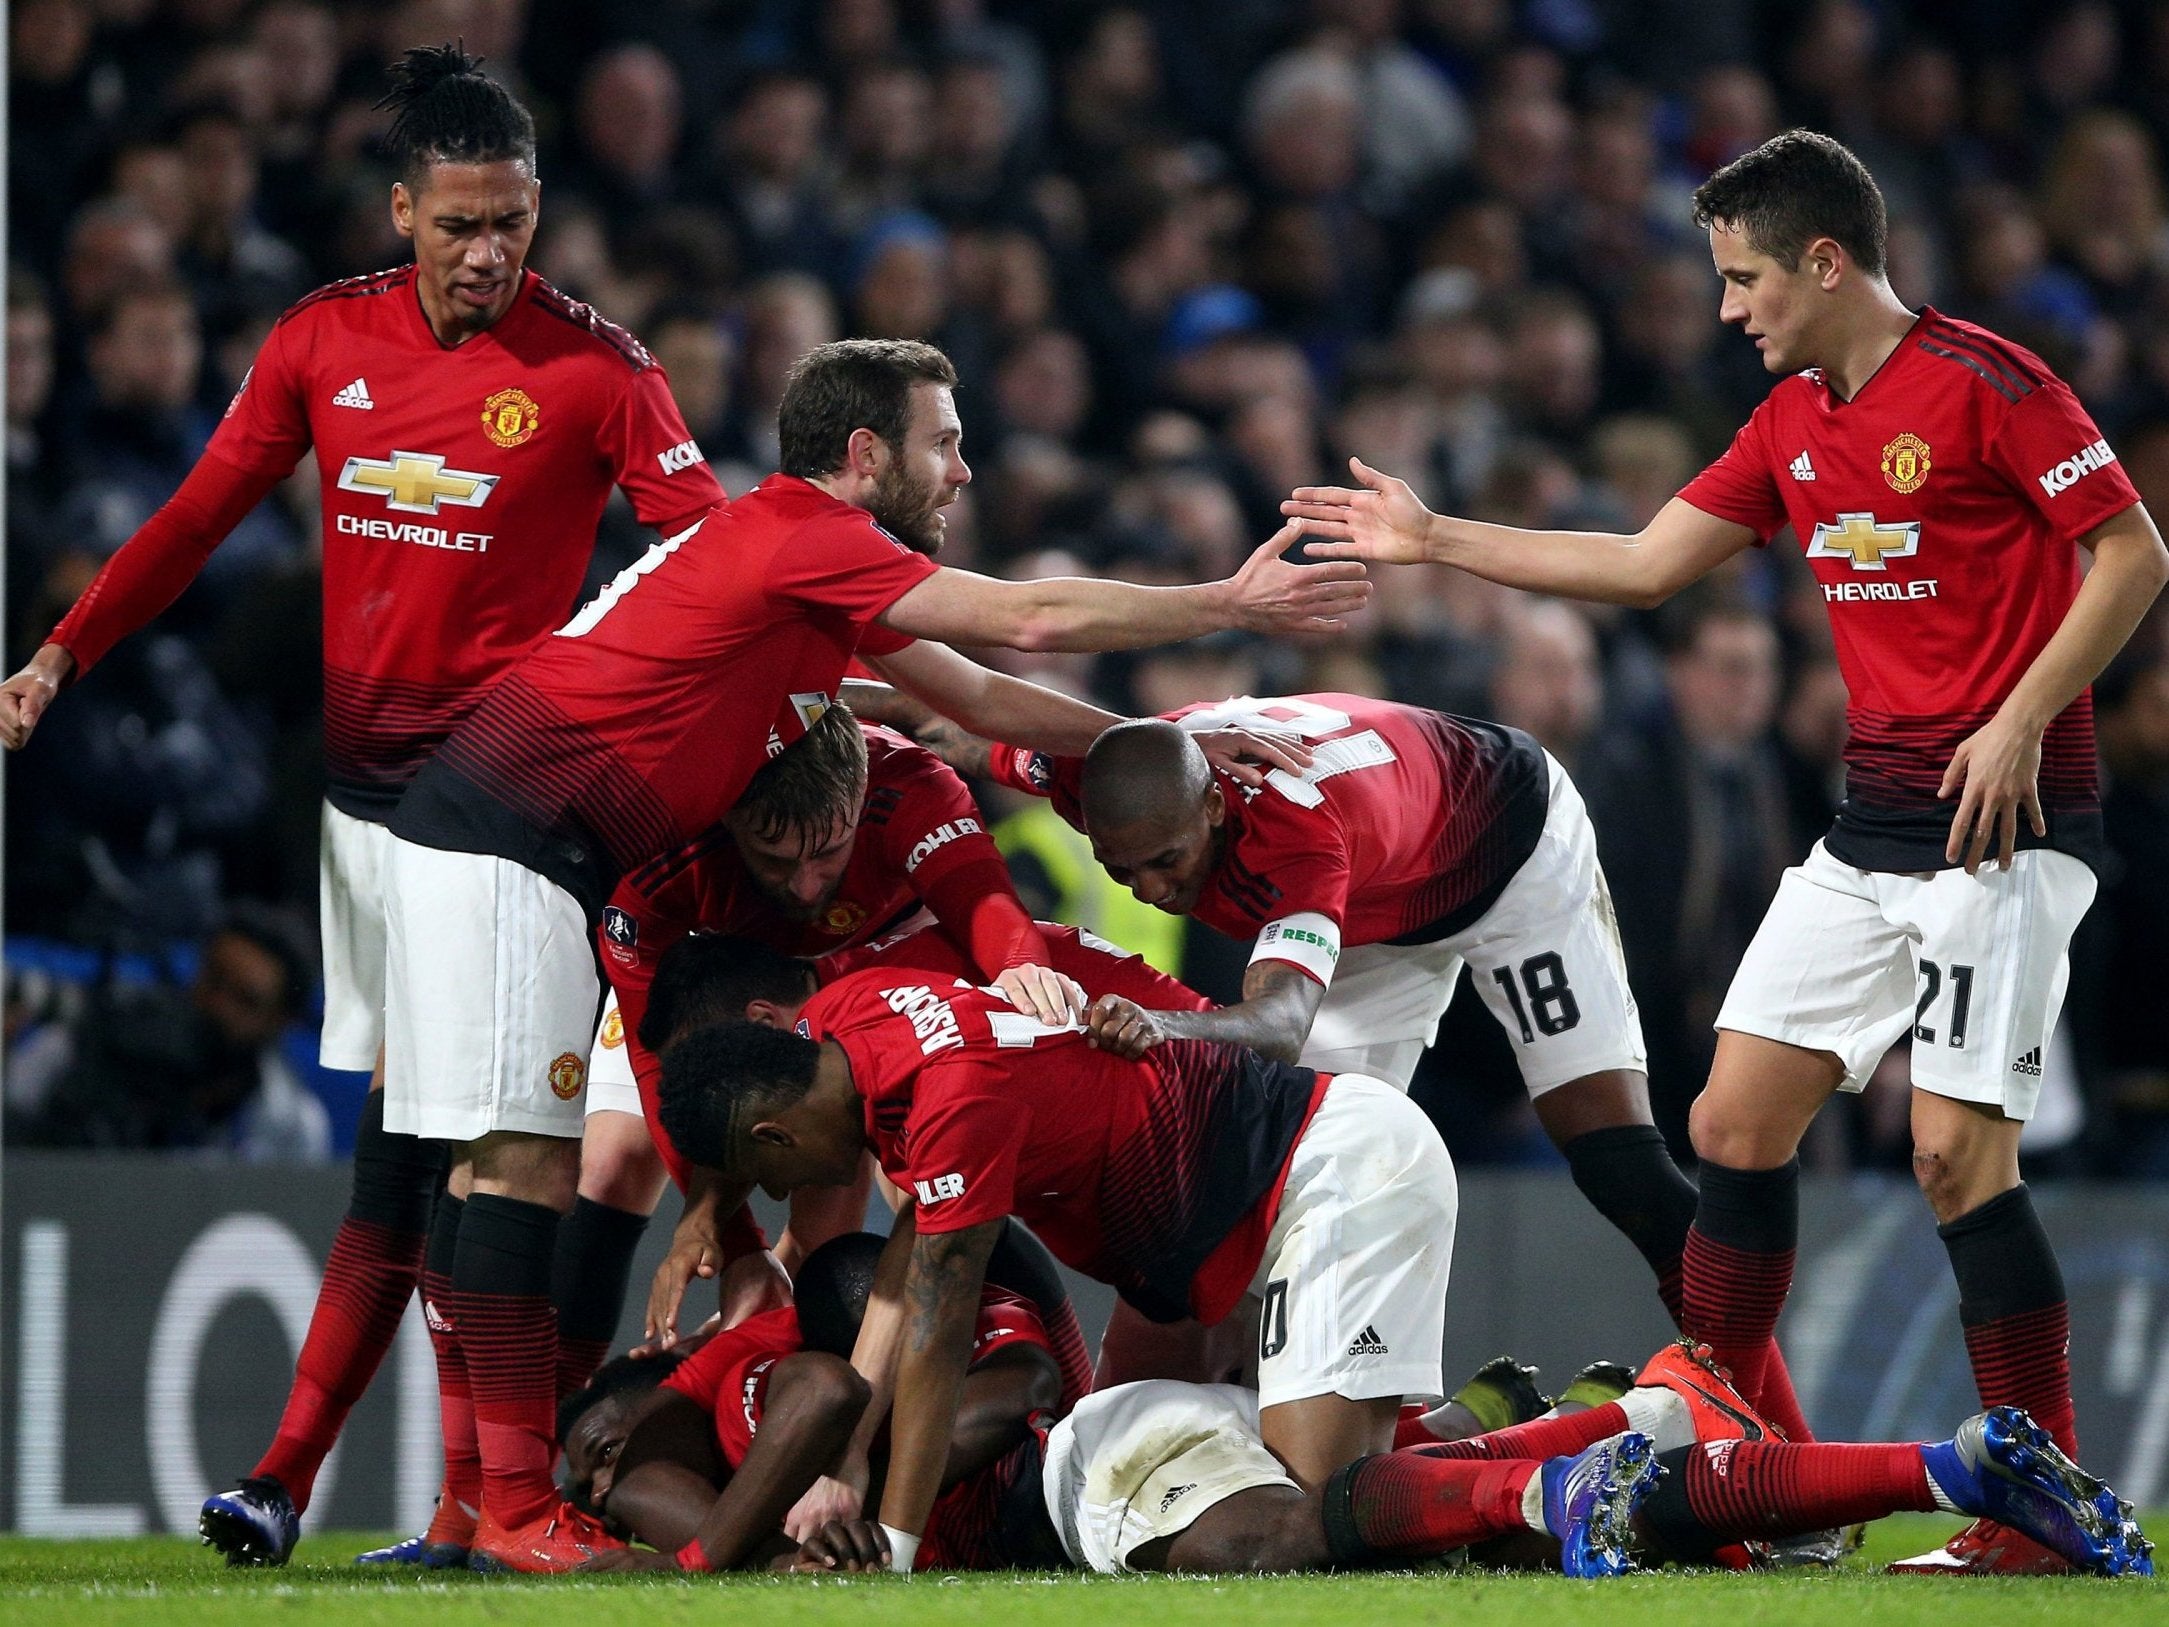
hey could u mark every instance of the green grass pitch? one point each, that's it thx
(166, 1580)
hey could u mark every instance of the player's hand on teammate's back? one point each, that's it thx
(751, 1284)
(1999, 767)
(1380, 519)
(1123, 1027)
(1248, 755)
(24, 697)
(1272, 595)
(843, 1545)
(1045, 993)
(831, 1500)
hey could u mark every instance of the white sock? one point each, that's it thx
(1532, 1503)
(1659, 1414)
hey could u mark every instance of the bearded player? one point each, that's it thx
(468, 422)
(1943, 484)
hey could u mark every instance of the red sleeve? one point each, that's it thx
(2052, 451)
(878, 641)
(653, 457)
(1006, 1320)
(1041, 774)
(162, 558)
(938, 838)
(1741, 486)
(964, 1135)
(849, 565)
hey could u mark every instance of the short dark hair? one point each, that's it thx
(1792, 189)
(848, 385)
(814, 784)
(623, 1375)
(447, 111)
(830, 1290)
(709, 977)
(716, 1076)
(1143, 769)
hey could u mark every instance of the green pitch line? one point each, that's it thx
(164, 1580)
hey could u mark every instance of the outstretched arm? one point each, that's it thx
(941, 1308)
(1999, 767)
(982, 701)
(1268, 595)
(1382, 520)
(1278, 1006)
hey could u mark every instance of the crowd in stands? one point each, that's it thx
(1186, 254)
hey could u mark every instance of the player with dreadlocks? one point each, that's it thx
(468, 422)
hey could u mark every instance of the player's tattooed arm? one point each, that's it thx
(1278, 1006)
(941, 1308)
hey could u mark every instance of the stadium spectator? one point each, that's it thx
(1175, 262)
(184, 1070)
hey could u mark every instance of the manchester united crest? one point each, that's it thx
(510, 417)
(843, 918)
(613, 1030)
(1905, 463)
(567, 1074)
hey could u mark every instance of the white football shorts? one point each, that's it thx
(610, 1084)
(1352, 1285)
(1142, 1461)
(490, 997)
(1974, 967)
(350, 906)
(1546, 959)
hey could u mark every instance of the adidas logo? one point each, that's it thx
(1368, 1343)
(1802, 469)
(2029, 1064)
(355, 395)
(1174, 1492)
(437, 1320)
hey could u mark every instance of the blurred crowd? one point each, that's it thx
(1186, 254)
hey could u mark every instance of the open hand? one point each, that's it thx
(1272, 596)
(1380, 519)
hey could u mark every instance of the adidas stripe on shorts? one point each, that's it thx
(1351, 1292)
(1974, 967)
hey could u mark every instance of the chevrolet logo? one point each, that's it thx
(416, 482)
(1858, 538)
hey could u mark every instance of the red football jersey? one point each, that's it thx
(1938, 509)
(922, 845)
(1095, 965)
(460, 491)
(1159, 1177)
(1405, 829)
(637, 725)
(728, 1376)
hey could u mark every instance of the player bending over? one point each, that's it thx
(1186, 1179)
(1943, 484)
(1414, 844)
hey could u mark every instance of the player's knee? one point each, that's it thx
(1957, 1178)
(1725, 1130)
(620, 1166)
(532, 1168)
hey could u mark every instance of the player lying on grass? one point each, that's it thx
(1186, 1179)
(700, 1456)
(1414, 844)
(1163, 1476)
